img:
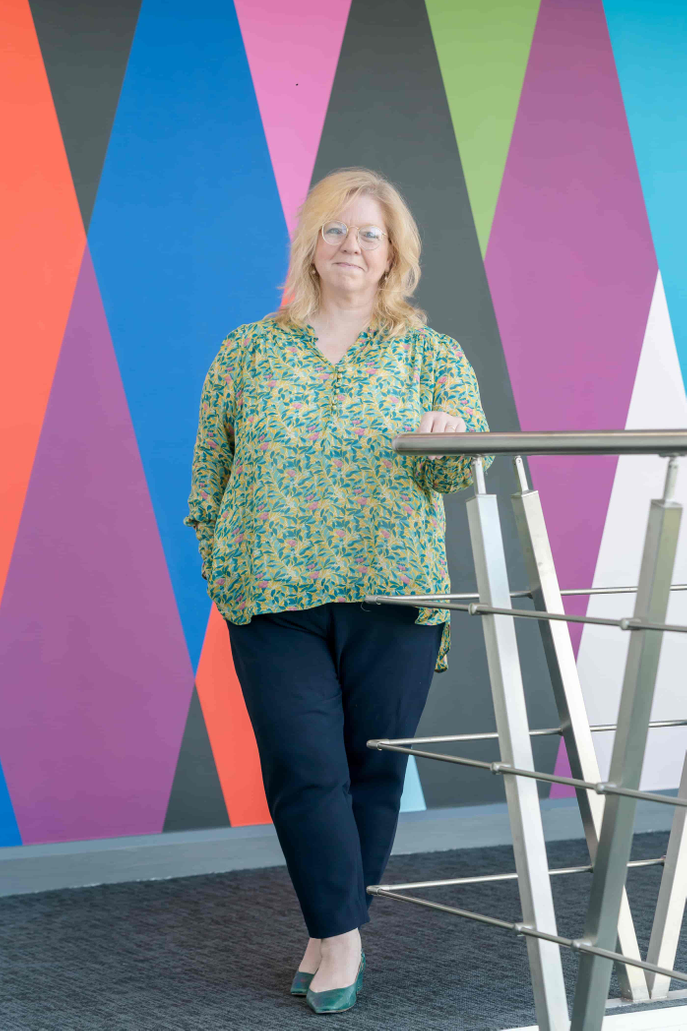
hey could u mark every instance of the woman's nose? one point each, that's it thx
(351, 243)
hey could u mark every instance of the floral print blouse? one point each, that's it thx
(297, 496)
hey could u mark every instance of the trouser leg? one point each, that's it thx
(287, 675)
(385, 663)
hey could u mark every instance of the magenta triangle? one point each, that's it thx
(571, 268)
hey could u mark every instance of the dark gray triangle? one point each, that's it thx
(196, 800)
(388, 111)
(85, 47)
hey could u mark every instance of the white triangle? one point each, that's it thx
(658, 402)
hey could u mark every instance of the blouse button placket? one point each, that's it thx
(334, 396)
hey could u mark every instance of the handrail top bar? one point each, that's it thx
(554, 442)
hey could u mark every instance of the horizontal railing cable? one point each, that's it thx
(583, 591)
(600, 787)
(576, 944)
(577, 592)
(480, 879)
(480, 609)
(492, 735)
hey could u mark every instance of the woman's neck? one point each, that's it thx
(338, 326)
(347, 315)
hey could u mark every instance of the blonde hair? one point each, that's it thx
(392, 313)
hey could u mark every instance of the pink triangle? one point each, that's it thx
(293, 50)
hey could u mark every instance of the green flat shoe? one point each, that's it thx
(335, 1000)
(301, 982)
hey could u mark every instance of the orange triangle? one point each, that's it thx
(229, 728)
(45, 240)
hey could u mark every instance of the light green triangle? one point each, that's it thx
(483, 47)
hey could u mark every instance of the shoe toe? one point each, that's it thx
(335, 1000)
(301, 983)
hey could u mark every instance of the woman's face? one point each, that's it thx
(346, 267)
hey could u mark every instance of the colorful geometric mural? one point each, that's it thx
(148, 202)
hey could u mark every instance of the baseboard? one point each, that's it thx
(76, 864)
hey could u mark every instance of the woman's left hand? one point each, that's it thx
(440, 422)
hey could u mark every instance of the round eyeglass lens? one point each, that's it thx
(369, 236)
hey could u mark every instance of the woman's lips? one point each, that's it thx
(346, 264)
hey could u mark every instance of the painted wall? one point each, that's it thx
(157, 157)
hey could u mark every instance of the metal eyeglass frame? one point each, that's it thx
(348, 229)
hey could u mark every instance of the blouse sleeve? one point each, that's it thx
(455, 391)
(213, 453)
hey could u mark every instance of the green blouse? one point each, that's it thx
(297, 496)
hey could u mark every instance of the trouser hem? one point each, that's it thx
(332, 928)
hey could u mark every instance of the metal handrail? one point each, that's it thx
(579, 442)
(608, 918)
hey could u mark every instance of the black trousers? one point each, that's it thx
(318, 683)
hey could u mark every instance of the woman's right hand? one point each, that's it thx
(441, 422)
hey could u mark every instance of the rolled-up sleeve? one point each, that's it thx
(456, 392)
(213, 453)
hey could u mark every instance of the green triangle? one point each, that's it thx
(483, 47)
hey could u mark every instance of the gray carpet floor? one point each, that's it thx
(218, 951)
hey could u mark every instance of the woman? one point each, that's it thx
(301, 508)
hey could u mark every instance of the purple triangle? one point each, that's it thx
(97, 677)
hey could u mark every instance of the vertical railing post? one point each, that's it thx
(560, 657)
(511, 721)
(615, 841)
(670, 908)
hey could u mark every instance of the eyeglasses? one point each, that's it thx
(369, 237)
